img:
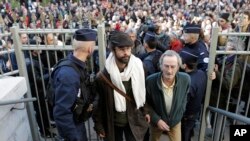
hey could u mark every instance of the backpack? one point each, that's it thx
(83, 101)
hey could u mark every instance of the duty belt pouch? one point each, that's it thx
(78, 110)
(86, 114)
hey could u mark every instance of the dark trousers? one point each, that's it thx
(147, 135)
(81, 131)
(187, 126)
(126, 130)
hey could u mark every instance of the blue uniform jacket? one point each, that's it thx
(150, 62)
(67, 86)
(196, 92)
(201, 51)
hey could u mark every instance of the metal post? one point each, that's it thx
(218, 127)
(23, 72)
(212, 54)
(101, 45)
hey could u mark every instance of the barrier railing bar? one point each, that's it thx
(230, 115)
(49, 47)
(235, 34)
(5, 34)
(6, 51)
(23, 100)
(234, 52)
(46, 31)
(9, 73)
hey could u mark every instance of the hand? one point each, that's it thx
(216, 67)
(102, 135)
(212, 76)
(8, 64)
(147, 118)
(90, 108)
(162, 125)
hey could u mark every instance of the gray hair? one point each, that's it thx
(76, 44)
(170, 53)
(131, 30)
(81, 44)
(236, 43)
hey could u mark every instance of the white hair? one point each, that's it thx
(236, 43)
(130, 31)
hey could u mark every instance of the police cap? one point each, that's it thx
(149, 36)
(85, 35)
(192, 28)
(188, 57)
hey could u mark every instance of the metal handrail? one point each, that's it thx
(46, 31)
(9, 73)
(235, 34)
(5, 34)
(229, 114)
(233, 52)
(23, 100)
(49, 47)
(6, 51)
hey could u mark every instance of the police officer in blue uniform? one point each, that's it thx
(66, 82)
(196, 46)
(151, 57)
(195, 94)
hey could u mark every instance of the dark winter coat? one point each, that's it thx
(104, 114)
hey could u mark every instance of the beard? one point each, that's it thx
(123, 60)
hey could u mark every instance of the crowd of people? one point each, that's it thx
(155, 75)
(165, 19)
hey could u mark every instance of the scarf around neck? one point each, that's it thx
(133, 71)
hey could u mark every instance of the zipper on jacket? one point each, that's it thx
(171, 110)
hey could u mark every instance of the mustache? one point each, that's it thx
(127, 56)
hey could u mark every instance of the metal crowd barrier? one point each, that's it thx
(222, 116)
(37, 89)
(4, 51)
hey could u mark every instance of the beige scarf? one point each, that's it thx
(133, 71)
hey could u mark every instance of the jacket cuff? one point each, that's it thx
(155, 118)
(99, 129)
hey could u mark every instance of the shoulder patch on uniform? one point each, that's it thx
(206, 60)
